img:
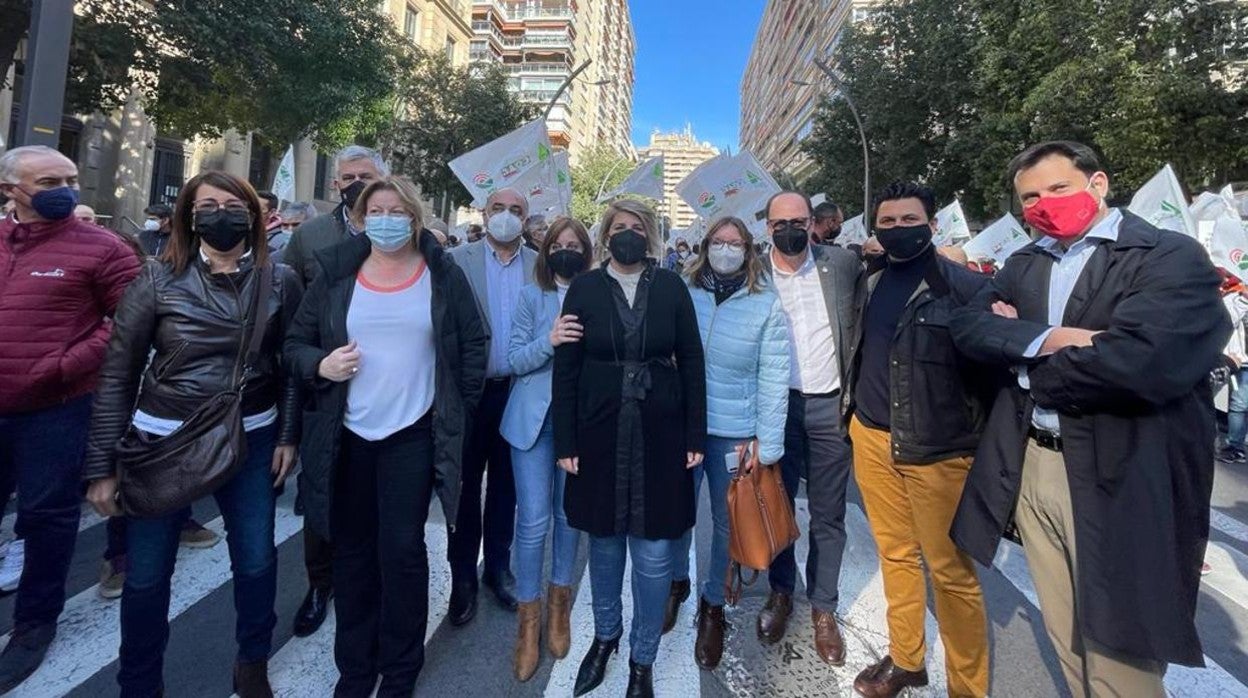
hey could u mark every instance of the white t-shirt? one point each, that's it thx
(393, 329)
(628, 282)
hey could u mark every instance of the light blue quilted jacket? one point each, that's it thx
(746, 342)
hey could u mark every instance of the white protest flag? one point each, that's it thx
(753, 187)
(853, 232)
(1161, 202)
(951, 227)
(1228, 247)
(563, 180)
(1207, 209)
(547, 187)
(284, 180)
(699, 190)
(503, 161)
(998, 241)
(646, 180)
(730, 186)
(818, 199)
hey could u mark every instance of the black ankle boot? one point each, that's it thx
(640, 680)
(594, 665)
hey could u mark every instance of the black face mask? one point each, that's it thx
(790, 239)
(831, 236)
(904, 243)
(352, 193)
(566, 263)
(222, 230)
(628, 247)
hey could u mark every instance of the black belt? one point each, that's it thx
(1046, 439)
(808, 396)
(500, 380)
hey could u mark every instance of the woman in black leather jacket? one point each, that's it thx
(191, 311)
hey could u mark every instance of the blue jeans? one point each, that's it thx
(247, 504)
(1237, 412)
(539, 498)
(715, 468)
(652, 582)
(41, 453)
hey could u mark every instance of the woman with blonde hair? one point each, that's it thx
(746, 345)
(390, 343)
(629, 408)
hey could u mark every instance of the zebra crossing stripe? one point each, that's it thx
(89, 632)
(1212, 680)
(86, 519)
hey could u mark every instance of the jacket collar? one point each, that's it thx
(344, 259)
(1133, 232)
(14, 231)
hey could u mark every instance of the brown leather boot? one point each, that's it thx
(828, 641)
(774, 618)
(887, 680)
(677, 596)
(251, 680)
(528, 639)
(558, 620)
(708, 649)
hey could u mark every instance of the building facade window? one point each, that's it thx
(411, 24)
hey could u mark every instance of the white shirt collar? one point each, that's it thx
(805, 266)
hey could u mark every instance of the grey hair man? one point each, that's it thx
(498, 265)
(355, 167)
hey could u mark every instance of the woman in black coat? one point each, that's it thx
(390, 343)
(629, 405)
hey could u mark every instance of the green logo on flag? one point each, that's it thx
(542, 152)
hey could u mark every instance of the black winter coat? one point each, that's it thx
(1137, 423)
(648, 494)
(321, 326)
(940, 398)
(195, 323)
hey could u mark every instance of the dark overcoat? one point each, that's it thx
(1137, 423)
(586, 408)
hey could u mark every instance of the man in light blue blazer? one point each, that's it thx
(498, 266)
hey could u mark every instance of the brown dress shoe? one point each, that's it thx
(886, 680)
(251, 680)
(680, 592)
(528, 639)
(774, 618)
(708, 649)
(558, 620)
(828, 641)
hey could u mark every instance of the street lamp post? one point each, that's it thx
(43, 95)
(580, 69)
(607, 177)
(862, 135)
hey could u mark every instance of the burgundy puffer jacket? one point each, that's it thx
(59, 284)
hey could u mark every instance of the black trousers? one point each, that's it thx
(487, 452)
(381, 565)
(318, 558)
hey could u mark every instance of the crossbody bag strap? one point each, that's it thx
(260, 321)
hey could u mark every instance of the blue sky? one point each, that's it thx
(690, 58)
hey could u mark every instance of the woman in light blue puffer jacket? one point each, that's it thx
(746, 344)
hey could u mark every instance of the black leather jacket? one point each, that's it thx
(176, 341)
(940, 398)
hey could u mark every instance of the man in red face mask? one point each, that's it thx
(1100, 454)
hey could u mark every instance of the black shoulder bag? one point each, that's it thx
(159, 475)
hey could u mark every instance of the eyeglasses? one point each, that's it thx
(722, 245)
(774, 224)
(212, 206)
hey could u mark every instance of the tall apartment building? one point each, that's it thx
(125, 164)
(541, 42)
(781, 88)
(682, 153)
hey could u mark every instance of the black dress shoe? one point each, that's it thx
(640, 680)
(504, 587)
(594, 665)
(24, 653)
(312, 611)
(463, 603)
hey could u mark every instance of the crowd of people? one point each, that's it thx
(542, 381)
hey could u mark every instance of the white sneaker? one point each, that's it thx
(11, 566)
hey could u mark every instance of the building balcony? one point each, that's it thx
(537, 69)
(520, 13)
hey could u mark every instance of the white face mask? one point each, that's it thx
(505, 226)
(151, 225)
(725, 259)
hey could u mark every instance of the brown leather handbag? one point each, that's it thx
(760, 520)
(158, 475)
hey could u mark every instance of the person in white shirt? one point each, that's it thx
(821, 288)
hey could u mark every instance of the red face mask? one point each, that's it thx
(1063, 217)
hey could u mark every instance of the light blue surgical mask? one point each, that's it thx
(388, 232)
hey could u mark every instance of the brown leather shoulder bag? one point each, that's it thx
(760, 520)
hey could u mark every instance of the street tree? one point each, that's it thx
(598, 170)
(443, 111)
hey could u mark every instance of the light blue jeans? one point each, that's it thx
(539, 499)
(652, 581)
(1237, 412)
(715, 470)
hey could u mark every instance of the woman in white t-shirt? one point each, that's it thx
(390, 341)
